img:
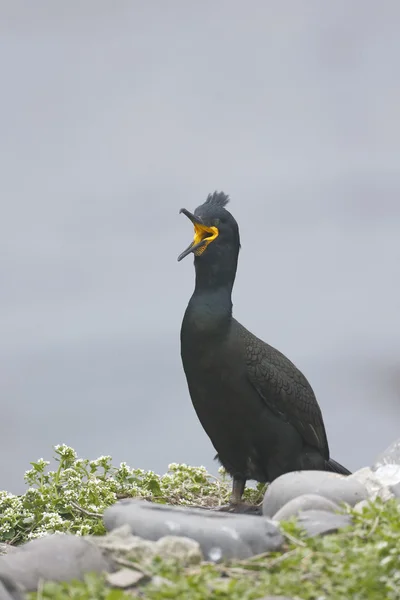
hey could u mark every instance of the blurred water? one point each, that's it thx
(113, 117)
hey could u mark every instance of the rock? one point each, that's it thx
(321, 522)
(58, 557)
(10, 590)
(120, 543)
(305, 502)
(182, 549)
(367, 477)
(378, 482)
(388, 475)
(125, 578)
(7, 549)
(220, 535)
(390, 456)
(334, 487)
(382, 482)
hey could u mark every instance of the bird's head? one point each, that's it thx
(215, 229)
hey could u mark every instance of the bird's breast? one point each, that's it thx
(214, 370)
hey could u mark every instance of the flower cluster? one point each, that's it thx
(72, 497)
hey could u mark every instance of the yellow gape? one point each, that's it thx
(203, 234)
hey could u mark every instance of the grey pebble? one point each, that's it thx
(219, 534)
(125, 578)
(7, 549)
(305, 502)
(390, 456)
(321, 522)
(58, 557)
(10, 589)
(335, 487)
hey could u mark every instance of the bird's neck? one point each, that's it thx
(216, 272)
(215, 304)
(209, 312)
(207, 319)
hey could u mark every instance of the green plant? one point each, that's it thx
(73, 497)
(92, 588)
(360, 562)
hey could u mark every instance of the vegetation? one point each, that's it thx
(360, 562)
(73, 497)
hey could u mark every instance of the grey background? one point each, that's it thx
(114, 115)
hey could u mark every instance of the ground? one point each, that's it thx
(361, 562)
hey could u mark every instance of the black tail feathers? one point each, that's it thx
(335, 467)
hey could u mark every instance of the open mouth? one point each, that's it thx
(203, 235)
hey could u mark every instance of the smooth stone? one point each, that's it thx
(305, 502)
(58, 557)
(220, 535)
(334, 487)
(321, 522)
(378, 482)
(7, 548)
(125, 578)
(10, 590)
(390, 456)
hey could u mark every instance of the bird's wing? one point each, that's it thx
(286, 391)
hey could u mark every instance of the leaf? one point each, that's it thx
(154, 486)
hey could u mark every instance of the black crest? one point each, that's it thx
(217, 199)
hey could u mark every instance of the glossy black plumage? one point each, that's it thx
(258, 409)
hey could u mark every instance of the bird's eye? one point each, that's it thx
(216, 222)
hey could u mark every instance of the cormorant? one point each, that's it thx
(258, 409)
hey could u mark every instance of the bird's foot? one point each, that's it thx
(240, 508)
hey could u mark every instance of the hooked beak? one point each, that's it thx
(203, 235)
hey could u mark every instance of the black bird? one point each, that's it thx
(258, 409)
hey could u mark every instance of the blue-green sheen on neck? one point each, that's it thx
(209, 311)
